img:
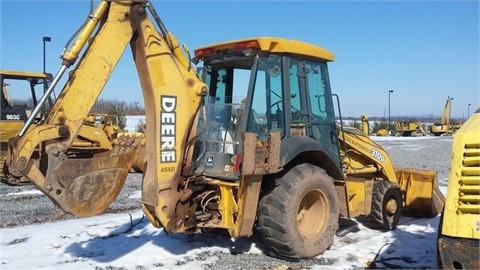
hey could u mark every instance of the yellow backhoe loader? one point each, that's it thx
(96, 135)
(264, 155)
(459, 228)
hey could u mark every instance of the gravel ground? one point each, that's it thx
(425, 153)
(25, 205)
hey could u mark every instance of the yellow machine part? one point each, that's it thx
(439, 129)
(406, 126)
(458, 243)
(382, 132)
(365, 124)
(364, 159)
(409, 128)
(420, 190)
(166, 77)
(96, 139)
(462, 206)
(97, 133)
(443, 127)
(138, 163)
(9, 129)
(423, 198)
(359, 194)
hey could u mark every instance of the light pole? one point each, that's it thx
(389, 92)
(45, 39)
(468, 110)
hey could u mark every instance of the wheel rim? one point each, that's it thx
(312, 216)
(391, 210)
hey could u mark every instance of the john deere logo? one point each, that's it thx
(168, 126)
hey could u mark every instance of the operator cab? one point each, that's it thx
(263, 89)
(20, 93)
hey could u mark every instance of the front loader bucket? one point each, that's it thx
(423, 198)
(86, 187)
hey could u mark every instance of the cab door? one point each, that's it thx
(311, 103)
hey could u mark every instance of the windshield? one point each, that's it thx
(266, 111)
(20, 95)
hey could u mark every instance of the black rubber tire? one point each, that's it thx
(7, 178)
(439, 235)
(387, 204)
(298, 216)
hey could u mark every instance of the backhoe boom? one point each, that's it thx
(166, 78)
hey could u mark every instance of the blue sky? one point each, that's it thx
(423, 50)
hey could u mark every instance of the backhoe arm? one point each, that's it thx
(82, 89)
(362, 156)
(172, 92)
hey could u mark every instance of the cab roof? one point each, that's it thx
(21, 75)
(276, 45)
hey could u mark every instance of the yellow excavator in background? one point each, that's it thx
(265, 155)
(409, 128)
(443, 127)
(459, 228)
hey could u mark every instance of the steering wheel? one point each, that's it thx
(277, 103)
(296, 114)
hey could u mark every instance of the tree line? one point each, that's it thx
(122, 107)
(101, 106)
(104, 106)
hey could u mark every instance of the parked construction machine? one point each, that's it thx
(16, 108)
(409, 128)
(459, 228)
(21, 92)
(443, 127)
(365, 124)
(250, 144)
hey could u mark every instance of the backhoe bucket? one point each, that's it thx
(423, 198)
(139, 160)
(86, 187)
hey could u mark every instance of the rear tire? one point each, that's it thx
(298, 216)
(10, 179)
(387, 204)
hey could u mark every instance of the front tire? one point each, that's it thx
(387, 204)
(298, 216)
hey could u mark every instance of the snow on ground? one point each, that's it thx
(129, 241)
(25, 192)
(99, 241)
(132, 122)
